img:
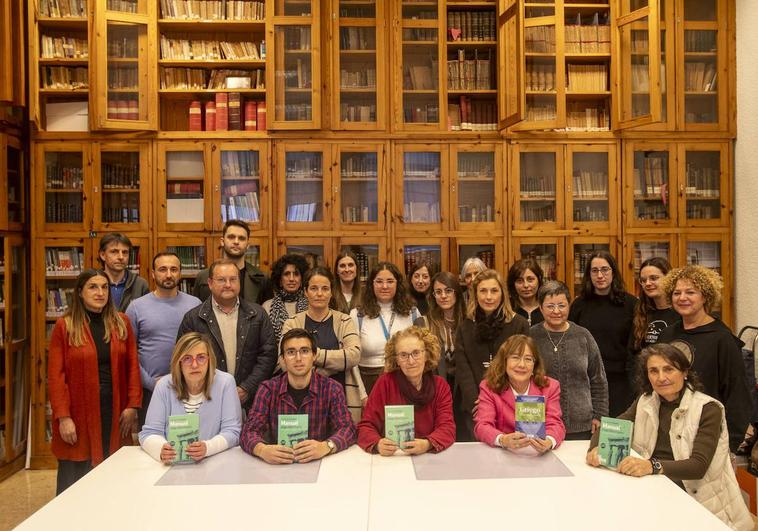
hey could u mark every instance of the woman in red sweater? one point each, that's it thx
(411, 357)
(93, 380)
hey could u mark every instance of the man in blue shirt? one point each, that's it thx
(125, 285)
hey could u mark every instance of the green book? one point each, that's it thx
(399, 424)
(182, 431)
(292, 429)
(530, 415)
(615, 441)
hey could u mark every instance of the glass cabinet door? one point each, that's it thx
(241, 168)
(489, 253)
(121, 187)
(430, 251)
(18, 292)
(193, 257)
(423, 176)
(304, 196)
(547, 252)
(476, 180)
(360, 196)
(702, 171)
(64, 194)
(580, 249)
(367, 255)
(638, 248)
(590, 175)
(537, 177)
(185, 173)
(649, 194)
(14, 166)
(316, 251)
(711, 251)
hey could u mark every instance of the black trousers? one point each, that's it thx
(69, 472)
(147, 394)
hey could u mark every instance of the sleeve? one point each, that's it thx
(703, 447)
(464, 375)
(185, 326)
(216, 445)
(133, 379)
(57, 384)
(147, 381)
(443, 435)
(142, 288)
(553, 416)
(733, 390)
(265, 358)
(158, 412)
(345, 358)
(597, 378)
(485, 427)
(257, 424)
(575, 312)
(230, 414)
(362, 394)
(343, 430)
(629, 414)
(153, 445)
(371, 426)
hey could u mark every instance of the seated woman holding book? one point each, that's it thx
(193, 387)
(517, 375)
(695, 455)
(411, 357)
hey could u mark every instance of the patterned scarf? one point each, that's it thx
(278, 313)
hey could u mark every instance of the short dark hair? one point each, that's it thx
(318, 271)
(277, 270)
(672, 355)
(297, 333)
(553, 288)
(221, 262)
(235, 223)
(114, 237)
(166, 253)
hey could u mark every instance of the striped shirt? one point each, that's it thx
(193, 403)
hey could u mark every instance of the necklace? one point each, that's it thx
(555, 345)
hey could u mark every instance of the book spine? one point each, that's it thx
(261, 116)
(222, 112)
(251, 116)
(195, 117)
(235, 111)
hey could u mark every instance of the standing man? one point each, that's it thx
(240, 331)
(125, 285)
(155, 319)
(254, 286)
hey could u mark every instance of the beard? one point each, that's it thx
(168, 283)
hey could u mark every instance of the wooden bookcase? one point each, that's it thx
(12, 60)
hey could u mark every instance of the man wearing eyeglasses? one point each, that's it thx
(240, 331)
(300, 390)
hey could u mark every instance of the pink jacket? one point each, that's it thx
(496, 412)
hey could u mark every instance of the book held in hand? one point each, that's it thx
(530, 416)
(399, 424)
(615, 441)
(292, 429)
(183, 430)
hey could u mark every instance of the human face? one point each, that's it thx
(687, 300)
(666, 379)
(555, 310)
(291, 279)
(421, 280)
(444, 296)
(115, 257)
(527, 285)
(194, 365)
(225, 283)
(385, 286)
(235, 242)
(489, 295)
(520, 368)
(470, 274)
(319, 292)
(167, 272)
(650, 280)
(298, 356)
(413, 368)
(347, 270)
(601, 275)
(95, 293)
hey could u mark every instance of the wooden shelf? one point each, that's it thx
(189, 92)
(471, 44)
(63, 22)
(482, 92)
(63, 92)
(196, 25)
(213, 63)
(63, 61)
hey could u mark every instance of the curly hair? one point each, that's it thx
(672, 355)
(705, 280)
(617, 293)
(431, 345)
(516, 271)
(281, 264)
(497, 374)
(401, 303)
(504, 310)
(646, 304)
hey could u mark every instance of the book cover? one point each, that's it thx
(251, 116)
(182, 431)
(399, 424)
(530, 416)
(235, 111)
(292, 429)
(222, 112)
(195, 116)
(615, 441)
(210, 116)
(261, 116)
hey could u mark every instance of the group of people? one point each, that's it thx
(245, 349)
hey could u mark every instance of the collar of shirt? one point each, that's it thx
(121, 283)
(220, 309)
(516, 393)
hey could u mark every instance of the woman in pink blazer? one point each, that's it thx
(517, 369)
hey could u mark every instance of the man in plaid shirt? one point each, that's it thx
(300, 390)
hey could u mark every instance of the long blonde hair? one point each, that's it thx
(503, 310)
(186, 343)
(76, 317)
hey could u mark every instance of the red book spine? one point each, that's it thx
(210, 116)
(195, 117)
(123, 110)
(251, 116)
(112, 109)
(261, 116)
(133, 109)
(222, 111)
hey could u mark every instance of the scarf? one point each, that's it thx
(278, 312)
(487, 327)
(418, 398)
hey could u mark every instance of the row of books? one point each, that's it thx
(421, 212)
(475, 213)
(184, 49)
(228, 112)
(587, 78)
(297, 74)
(63, 176)
(360, 213)
(124, 6)
(428, 113)
(58, 47)
(58, 211)
(364, 76)
(357, 10)
(63, 8)
(184, 190)
(539, 212)
(476, 165)
(700, 41)
(58, 301)
(121, 208)
(702, 181)
(303, 166)
(421, 166)
(472, 115)
(192, 258)
(700, 76)
(594, 37)
(598, 212)
(705, 254)
(355, 112)
(590, 184)
(357, 38)
(588, 116)
(214, 9)
(471, 26)
(646, 211)
(539, 39)
(303, 212)
(65, 77)
(470, 73)
(416, 35)
(64, 260)
(243, 206)
(296, 38)
(122, 48)
(546, 261)
(641, 77)
(240, 164)
(358, 165)
(700, 210)
(537, 185)
(123, 107)
(123, 77)
(422, 255)
(297, 112)
(365, 262)
(653, 175)
(422, 74)
(120, 174)
(539, 77)
(201, 79)
(488, 257)
(540, 112)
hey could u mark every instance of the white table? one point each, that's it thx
(356, 492)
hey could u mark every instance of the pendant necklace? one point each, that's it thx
(555, 345)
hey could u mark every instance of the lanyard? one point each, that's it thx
(384, 326)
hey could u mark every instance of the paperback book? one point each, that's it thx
(399, 424)
(292, 429)
(615, 441)
(530, 416)
(183, 430)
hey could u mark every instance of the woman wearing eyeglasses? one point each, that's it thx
(653, 313)
(605, 309)
(193, 386)
(410, 362)
(517, 370)
(572, 357)
(524, 281)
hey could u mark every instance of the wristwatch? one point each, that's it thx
(657, 467)
(332, 446)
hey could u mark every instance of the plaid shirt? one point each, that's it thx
(328, 416)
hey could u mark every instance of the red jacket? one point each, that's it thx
(433, 422)
(74, 391)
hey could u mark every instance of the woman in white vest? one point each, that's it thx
(696, 453)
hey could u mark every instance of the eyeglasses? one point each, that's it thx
(441, 292)
(416, 355)
(515, 358)
(188, 360)
(379, 282)
(556, 307)
(227, 280)
(600, 270)
(651, 278)
(290, 353)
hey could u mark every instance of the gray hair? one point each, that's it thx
(552, 288)
(475, 261)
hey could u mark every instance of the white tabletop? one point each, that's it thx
(356, 491)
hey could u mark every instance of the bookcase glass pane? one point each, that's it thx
(253, 255)
(240, 185)
(127, 6)
(427, 254)
(362, 9)
(634, 41)
(700, 10)
(185, 173)
(637, 4)
(313, 254)
(476, 187)
(590, 190)
(15, 198)
(582, 252)
(125, 99)
(120, 184)
(421, 187)
(192, 258)
(540, 75)
(651, 185)
(292, 8)
(2, 295)
(420, 76)
(537, 187)
(700, 76)
(419, 10)
(293, 76)
(545, 255)
(62, 266)
(135, 259)
(17, 279)
(304, 181)
(357, 74)
(359, 191)
(647, 249)
(485, 252)
(21, 360)
(64, 180)
(703, 184)
(706, 254)
(367, 256)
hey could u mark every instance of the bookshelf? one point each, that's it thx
(12, 183)
(12, 60)
(184, 184)
(194, 255)
(423, 175)
(476, 174)
(241, 171)
(432, 251)
(490, 251)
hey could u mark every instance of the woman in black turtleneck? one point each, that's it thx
(420, 278)
(607, 311)
(490, 320)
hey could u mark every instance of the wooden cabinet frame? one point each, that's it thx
(510, 69)
(455, 252)
(498, 204)
(163, 149)
(337, 183)
(613, 196)
(515, 179)
(398, 189)
(629, 185)
(398, 254)
(8, 142)
(280, 172)
(725, 183)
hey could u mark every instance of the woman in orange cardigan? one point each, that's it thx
(93, 380)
